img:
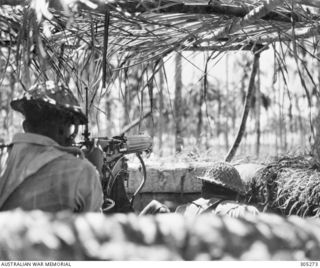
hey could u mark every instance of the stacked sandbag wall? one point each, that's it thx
(172, 183)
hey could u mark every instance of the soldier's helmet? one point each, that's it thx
(51, 96)
(226, 175)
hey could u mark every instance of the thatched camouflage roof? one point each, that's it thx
(149, 28)
(67, 36)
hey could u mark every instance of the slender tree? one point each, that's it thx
(246, 109)
(316, 143)
(258, 112)
(301, 127)
(202, 94)
(127, 99)
(178, 104)
(226, 126)
(161, 110)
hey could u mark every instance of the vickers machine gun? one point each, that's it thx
(114, 163)
(111, 154)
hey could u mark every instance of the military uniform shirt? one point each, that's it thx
(216, 206)
(40, 174)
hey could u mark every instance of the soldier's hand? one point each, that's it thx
(95, 155)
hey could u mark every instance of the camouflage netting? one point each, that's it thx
(288, 186)
(43, 236)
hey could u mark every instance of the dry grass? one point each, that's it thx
(288, 185)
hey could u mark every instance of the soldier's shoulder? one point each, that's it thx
(187, 209)
(71, 161)
(235, 209)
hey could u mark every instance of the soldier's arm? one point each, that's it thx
(89, 195)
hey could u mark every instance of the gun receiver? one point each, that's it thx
(113, 157)
(125, 144)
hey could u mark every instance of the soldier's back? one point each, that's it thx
(66, 183)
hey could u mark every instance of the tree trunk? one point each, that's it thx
(258, 114)
(280, 118)
(161, 110)
(127, 101)
(178, 105)
(105, 71)
(219, 108)
(316, 145)
(108, 104)
(226, 126)
(141, 108)
(134, 123)
(275, 116)
(234, 111)
(200, 122)
(9, 115)
(201, 101)
(245, 114)
(300, 127)
(152, 104)
(1, 99)
(284, 125)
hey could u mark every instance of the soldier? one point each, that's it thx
(154, 207)
(43, 171)
(221, 188)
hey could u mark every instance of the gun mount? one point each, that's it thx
(114, 166)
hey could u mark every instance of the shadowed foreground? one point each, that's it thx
(42, 236)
